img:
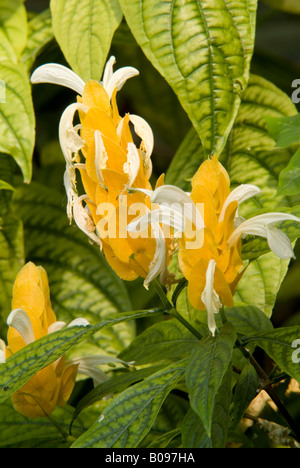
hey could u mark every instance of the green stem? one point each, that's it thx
(166, 303)
(184, 322)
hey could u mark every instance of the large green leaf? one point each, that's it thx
(127, 420)
(194, 434)
(245, 390)
(17, 121)
(16, 431)
(289, 6)
(21, 366)
(13, 23)
(84, 32)
(279, 345)
(81, 281)
(203, 49)
(164, 340)
(206, 370)
(39, 34)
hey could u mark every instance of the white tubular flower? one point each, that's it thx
(163, 215)
(88, 365)
(210, 298)
(100, 155)
(20, 321)
(84, 220)
(144, 131)
(118, 79)
(158, 264)
(239, 194)
(132, 165)
(54, 73)
(263, 226)
(69, 139)
(2, 352)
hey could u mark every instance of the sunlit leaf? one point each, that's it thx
(208, 79)
(84, 31)
(17, 121)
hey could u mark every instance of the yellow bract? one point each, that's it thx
(106, 183)
(210, 189)
(52, 386)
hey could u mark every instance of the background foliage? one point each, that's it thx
(182, 392)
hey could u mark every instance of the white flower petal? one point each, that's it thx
(84, 220)
(20, 321)
(56, 326)
(79, 322)
(69, 139)
(132, 165)
(164, 215)
(88, 365)
(108, 71)
(210, 298)
(279, 243)
(100, 155)
(2, 352)
(170, 196)
(257, 225)
(58, 74)
(144, 131)
(119, 78)
(158, 264)
(239, 194)
(70, 188)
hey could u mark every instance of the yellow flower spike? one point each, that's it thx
(31, 319)
(213, 265)
(102, 149)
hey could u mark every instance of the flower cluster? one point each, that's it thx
(102, 149)
(210, 233)
(32, 318)
(115, 173)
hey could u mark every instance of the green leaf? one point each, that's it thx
(245, 390)
(115, 385)
(248, 319)
(17, 121)
(206, 370)
(16, 431)
(21, 366)
(13, 23)
(164, 340)
(289, 178)
(249, 146)
(285, 130)
(193, 433)
(127, 420)
(84, 31)
(11, 259)
(5, 185)
(264, 276)
(208, 80)
(279, 344)
(39, 34)
(289, 6)
(80, 278)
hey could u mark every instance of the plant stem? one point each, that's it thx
(166, 303)
(184, 322)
